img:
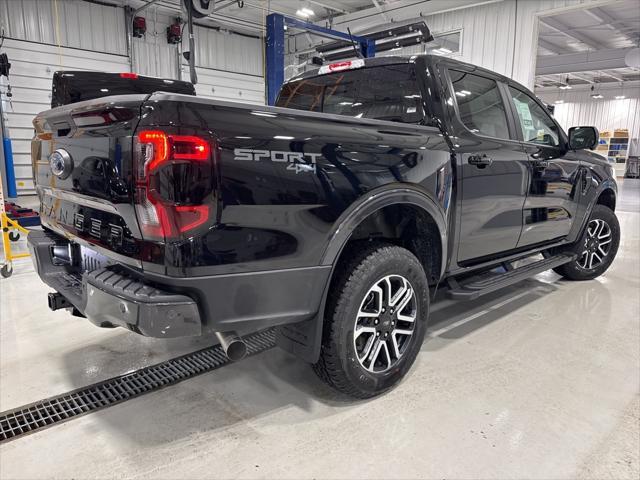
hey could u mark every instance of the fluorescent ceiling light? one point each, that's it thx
(305, 12)
(283, 137)
(566, 87)
(620, 97)
(559, 101)
(597, 95)
(460, 94)
(466, 92)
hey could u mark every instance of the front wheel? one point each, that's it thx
(375, 321)
(596, 249)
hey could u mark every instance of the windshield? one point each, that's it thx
(388, 92)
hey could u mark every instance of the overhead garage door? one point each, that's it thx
(32, 67)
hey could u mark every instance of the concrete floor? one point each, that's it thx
(538, 381)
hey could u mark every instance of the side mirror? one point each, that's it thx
(583, 137)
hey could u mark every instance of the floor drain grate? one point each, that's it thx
(44, 413)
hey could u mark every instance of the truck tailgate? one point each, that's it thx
(82, 165)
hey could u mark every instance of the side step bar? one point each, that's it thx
(475, 287)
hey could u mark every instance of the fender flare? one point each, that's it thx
(378, 199)
(599, 189)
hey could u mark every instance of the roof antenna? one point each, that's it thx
(353, 43)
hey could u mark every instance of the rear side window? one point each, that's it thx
(388, 92)
(481, 107)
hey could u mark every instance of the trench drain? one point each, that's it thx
(45, 413)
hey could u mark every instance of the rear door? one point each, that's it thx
(551, 203)
(494, 169)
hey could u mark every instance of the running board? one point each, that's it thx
(492, 281)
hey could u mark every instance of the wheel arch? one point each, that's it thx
(375, 202)
(607, 197)
(304, 338)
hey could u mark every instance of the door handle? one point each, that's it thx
(540, 164)
(585, 180)
(480, 161)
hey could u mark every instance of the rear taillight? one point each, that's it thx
(130, 75)
(174, 183)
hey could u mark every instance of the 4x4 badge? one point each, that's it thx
(296, 161)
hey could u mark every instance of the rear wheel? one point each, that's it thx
(596, 249)
(375, 321)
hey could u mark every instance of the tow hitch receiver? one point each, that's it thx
(58, 301)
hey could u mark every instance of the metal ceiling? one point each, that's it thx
(570, 44)
(248, 16)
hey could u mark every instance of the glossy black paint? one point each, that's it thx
(544, 201)
(77, 86)
(99, 187)
(292, 186)
(274, 215)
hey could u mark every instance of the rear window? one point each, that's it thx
(387, 92)
(72, 87)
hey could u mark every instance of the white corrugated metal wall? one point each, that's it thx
(605, 114)
(229, 66)
(71, 23)
(32, 67)
(92, 37)
(500, 35)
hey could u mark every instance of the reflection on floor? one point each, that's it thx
(538, 381)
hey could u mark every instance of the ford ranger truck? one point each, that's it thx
(331, 216)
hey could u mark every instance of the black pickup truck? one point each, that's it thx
(332, 216)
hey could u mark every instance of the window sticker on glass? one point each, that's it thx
(524, 113)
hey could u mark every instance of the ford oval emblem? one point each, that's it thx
(61, 163)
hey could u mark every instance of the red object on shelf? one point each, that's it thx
(24, 216)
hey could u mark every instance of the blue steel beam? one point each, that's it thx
(274, 56)
(275, 47)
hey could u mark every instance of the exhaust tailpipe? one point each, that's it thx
(233, 346)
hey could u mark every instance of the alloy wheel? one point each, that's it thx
(385, 323)
(597, 244)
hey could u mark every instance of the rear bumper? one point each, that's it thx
(111, 296)
(160, 306)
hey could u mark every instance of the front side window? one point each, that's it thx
(388, 92)
(535, 123)
(480, 104)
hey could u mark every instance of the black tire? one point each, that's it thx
(7, 270)
(367, 265)
(577, 270)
